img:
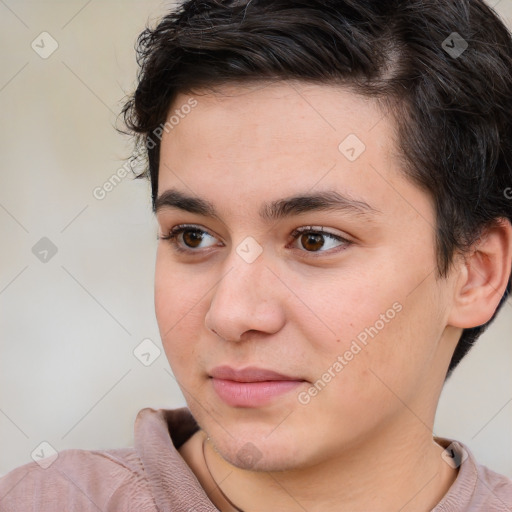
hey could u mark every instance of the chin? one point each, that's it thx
(252, 457)
(251, 441)
(254, 449)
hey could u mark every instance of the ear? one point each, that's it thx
(483, 277)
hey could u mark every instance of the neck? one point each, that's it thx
(386, 473)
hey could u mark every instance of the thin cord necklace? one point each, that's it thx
(218, 486)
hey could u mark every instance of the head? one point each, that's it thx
(243, 104)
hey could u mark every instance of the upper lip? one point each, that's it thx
(249, 374)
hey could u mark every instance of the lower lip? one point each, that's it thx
(252, 394)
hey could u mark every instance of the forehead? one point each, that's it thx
(308, 111)
(281, 139)
(272, 126)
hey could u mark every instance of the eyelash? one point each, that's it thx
(173, 234)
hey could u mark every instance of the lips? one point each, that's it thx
(250, 374)
(251, 387)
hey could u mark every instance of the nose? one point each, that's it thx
(249, 297)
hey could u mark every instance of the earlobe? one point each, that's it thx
(483, 277)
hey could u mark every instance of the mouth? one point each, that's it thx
(251, 386)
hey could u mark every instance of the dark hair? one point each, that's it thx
(443, 69)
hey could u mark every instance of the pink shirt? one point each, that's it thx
(153, 477)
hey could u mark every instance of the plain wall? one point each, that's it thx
(69, 325)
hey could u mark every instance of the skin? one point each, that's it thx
(364, 442)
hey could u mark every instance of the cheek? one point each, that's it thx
(350, 308)
(400, 350)
(376, 325)
(179, 313)
(176, 292)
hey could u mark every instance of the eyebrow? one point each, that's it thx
(328, 200)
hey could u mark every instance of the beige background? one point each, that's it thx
(68, 375)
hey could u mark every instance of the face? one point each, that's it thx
(297, 329)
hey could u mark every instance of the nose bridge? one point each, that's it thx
(245, 278)
(247, 268)
(244, 299)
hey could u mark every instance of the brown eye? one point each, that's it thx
(312, 242)
(188, 239)
(316, 240)
(192, 238)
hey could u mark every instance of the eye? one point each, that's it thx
(317, 240)
(186, 238)
(190, 237)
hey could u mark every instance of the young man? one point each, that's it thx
(332, 184)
